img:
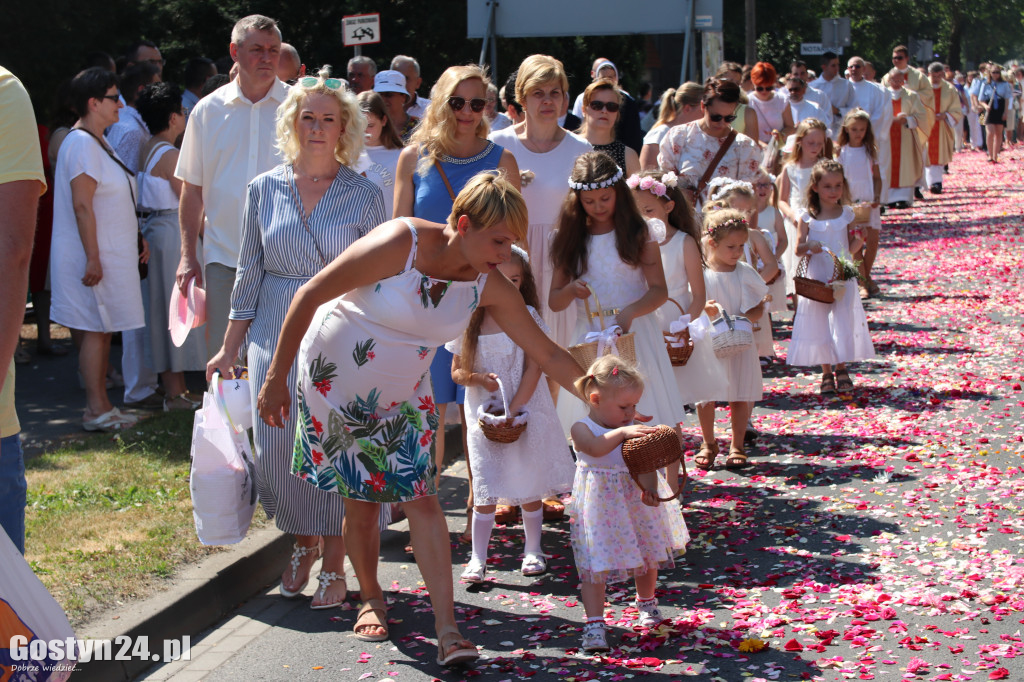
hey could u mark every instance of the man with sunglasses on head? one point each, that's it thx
(229, 140)
(835, 87)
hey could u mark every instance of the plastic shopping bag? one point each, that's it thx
(33, 628)
(223, 478)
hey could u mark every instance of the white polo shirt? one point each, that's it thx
(228, 142)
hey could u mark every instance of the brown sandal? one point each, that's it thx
(705, 458)
(844, 384)
(828, 384)
(737, 459)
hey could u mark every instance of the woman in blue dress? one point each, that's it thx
(298, 217)
(448, 147)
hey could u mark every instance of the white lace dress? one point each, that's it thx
(798, 179)
(737, 292)
(617, 284)
(702, 378)
(829, 333)
(538, 464)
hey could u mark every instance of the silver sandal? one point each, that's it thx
(297, 554)
(325, 580)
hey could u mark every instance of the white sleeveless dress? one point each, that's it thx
(798, 179)
(766, 223)
(617, 284)
(538, 464)
(737, 292)
(829, 333)
(702, 378)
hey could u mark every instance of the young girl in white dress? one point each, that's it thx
(773, 227)
(810, 143)
(536, 465)
(618, 531)
(829, 334)
(739, 290)
(658, 197)
(604, 251)
(858, 154)
(757, 252)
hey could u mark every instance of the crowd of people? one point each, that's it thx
(374, 256)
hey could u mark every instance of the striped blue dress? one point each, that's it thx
(277, 257)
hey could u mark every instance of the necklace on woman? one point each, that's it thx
(314, 178)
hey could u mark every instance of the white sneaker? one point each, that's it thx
(594, 639)
(649, 614)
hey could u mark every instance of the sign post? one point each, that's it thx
(360, 29)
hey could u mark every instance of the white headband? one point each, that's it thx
(584, 186)
(721, 185)
(519, 251)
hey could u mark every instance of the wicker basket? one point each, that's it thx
(505, 431)
(650, 453)
(861, 213)
(813, 289)
(586, 353)
(731, 334)
(678, 355)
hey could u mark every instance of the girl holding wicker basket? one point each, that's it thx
(618, 531)
(511, 466)
(608, 265)
(736, 292)
(701, 378)
(829, 333)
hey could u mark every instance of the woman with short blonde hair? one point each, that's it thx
(298, 217)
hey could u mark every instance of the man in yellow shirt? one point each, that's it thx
(21, 183)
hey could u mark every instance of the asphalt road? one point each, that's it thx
(877, 535)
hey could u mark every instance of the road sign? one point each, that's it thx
(360, 29)
(836, 31)
(818, 49)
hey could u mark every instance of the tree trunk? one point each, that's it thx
(955, 35)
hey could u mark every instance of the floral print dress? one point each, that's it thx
(366, 409)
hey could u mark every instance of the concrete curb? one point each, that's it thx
(201, 595)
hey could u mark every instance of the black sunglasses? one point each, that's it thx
(762, 88)
(477, 104)
(112, 98)
(597, 105)
(898, 58)
(720, 117)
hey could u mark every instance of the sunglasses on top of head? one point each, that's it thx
(597, 105)
(722, 117)
(476, 104)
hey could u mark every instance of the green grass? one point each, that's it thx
(109, 518)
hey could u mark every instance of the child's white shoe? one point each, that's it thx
(594, 640)
(649, 614)
(474, 571)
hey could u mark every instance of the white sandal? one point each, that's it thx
(474, 572)
(325, 580)
(297, 554)
(534, 564)
(110, 421)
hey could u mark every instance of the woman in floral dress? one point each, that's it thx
(365, 413)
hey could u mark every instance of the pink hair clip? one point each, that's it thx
(615, 371)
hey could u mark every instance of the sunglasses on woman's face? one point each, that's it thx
(761, 88)
(598, 105)
(476, 104)
(716, 118)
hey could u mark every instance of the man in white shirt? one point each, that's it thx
(798, 68)
(835, 87)
(800, 107)
(410, 68)
(229, 141)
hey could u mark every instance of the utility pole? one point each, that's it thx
(751, 16)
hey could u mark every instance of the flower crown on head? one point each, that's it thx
(585, 186)
(655, 187)
(521, 252)
(712, 229)
(722, 185)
